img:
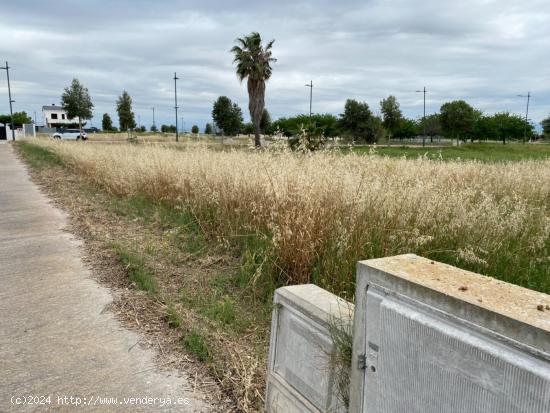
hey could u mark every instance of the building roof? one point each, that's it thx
(52, 107)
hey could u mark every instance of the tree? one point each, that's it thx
(194, 129)
(391, 114)
(358, 122)
(293, 126)
(247, 128)
(19, 118)
(106, 122)
(546, 126)
(168, 128)
(153, 128)
(227, 115)
(126, 117)
(208, 129)
(407, 129)
(457, 119)
(512, 126)
(76, 101)
(265, 121)
(431, 124)
(253, 62)
(486, 128)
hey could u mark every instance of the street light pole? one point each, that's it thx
(7, 69)
(176, 103)
(528, 96)
(424, 117)
(154, 117)
(310, 86)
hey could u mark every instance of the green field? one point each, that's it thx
(486, 152)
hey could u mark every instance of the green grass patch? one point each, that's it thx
(38, 157)
(485, 152)
(136, 268)
(180, 224)
(223, 311)
(195, 343)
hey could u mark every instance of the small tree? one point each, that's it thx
(19, 118)
(391, 114)
(208, 129)
(195, 129)
(126, 117)
(153, 128)
(407, 129)
(106, 122)
(248, 128)
(431, 125)
(358, 122)
(227, 115)
(457, 119)
(265, 121)
(76, 101)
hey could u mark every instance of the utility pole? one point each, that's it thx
(528, 96)
(310, 86)
(154, 116)
(7, 69)
(424, 117)
(176, 103)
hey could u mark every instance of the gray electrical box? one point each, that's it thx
(431, 338)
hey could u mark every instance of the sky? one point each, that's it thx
(486, 52)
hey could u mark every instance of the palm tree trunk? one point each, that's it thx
(256, 94)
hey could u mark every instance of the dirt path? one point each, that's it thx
(56, 339)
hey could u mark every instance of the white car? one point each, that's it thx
(70, 134)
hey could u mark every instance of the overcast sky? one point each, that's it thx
(484, 51)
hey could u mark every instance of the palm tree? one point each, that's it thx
(253, 63)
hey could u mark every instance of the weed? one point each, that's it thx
(195, 343)
(172, 317)
(223, 311)
(136, 269)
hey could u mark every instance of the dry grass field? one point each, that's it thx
(199, 237)
(309, 218)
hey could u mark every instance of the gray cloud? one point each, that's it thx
(484, 51)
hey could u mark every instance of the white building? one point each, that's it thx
(55, 116)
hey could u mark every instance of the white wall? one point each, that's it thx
(47, 116)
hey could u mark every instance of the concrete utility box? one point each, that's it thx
(431, 338)
(300, 378)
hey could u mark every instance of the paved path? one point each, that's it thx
(55, 338)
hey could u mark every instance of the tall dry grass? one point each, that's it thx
(309, 218)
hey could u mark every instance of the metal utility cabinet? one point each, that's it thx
(431, 338)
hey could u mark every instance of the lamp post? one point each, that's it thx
(424, 116)
(310, 86)
(528, 96)
(7, 69)
(176, 103)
